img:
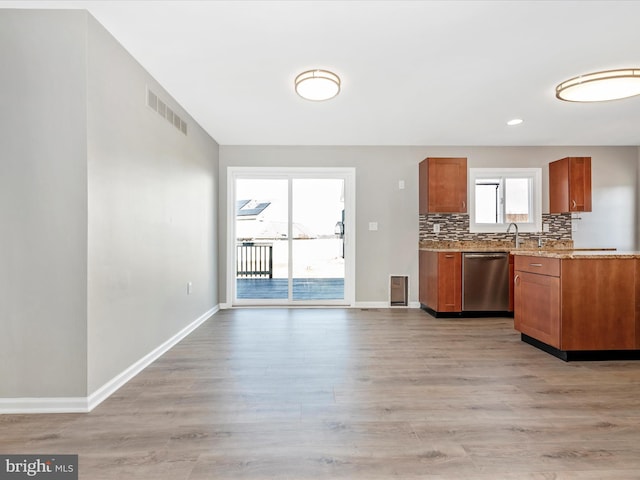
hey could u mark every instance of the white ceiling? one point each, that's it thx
(413, 72)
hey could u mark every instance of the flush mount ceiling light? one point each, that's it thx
(317, 85)
(601, 86)
(514, 121)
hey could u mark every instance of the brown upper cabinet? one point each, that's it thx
(443, 185)
(570, 185)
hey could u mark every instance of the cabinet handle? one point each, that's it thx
(448, 256)
(516, 280)
(535, 264)
(574, 203)
(464, 204)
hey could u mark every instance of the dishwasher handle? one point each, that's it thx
(485, 255)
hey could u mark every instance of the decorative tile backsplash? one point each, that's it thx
(455, 227)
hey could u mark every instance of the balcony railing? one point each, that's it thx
(254, 260)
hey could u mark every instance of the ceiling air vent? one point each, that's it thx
(162, 109)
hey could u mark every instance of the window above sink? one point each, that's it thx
(500, 196)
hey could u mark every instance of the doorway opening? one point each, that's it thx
(291, 236)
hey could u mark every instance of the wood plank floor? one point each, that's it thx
(353, 394)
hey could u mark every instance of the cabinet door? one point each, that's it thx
(580, 184)
(537, 306)
(449, 282)
(448, 185)
(443, 185)
(570, 185)
(428, 282)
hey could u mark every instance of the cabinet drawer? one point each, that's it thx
(541, 265)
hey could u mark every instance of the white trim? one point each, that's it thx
(348, 174)
(291, 307)
(109, 388)
(231, 235)
(371, 304)
(30, 405)
(534, 174)
(385, 305)
(86, 404)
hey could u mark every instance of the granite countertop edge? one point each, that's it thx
(558, 249)
(578, 254)
(562, 253)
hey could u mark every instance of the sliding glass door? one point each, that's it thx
(262, 239)
(290, 237)
(317, 244)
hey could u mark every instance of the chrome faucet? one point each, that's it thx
(517, 237)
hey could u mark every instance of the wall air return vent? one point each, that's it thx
(162, 109)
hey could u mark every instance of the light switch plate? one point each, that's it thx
(436, 228)
(545, 227)
(373, 226)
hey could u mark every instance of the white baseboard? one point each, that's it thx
(384, 305)
(86, 404)
(43, 405)
(371, 305)
(109, 388)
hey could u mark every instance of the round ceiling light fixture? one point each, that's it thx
(601, 86)
(317, 85)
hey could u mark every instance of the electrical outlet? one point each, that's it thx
(545, 227)
(401, 184)
(373, 226)
(574, 226)
(436, 228)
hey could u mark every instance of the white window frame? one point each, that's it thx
(535, 174)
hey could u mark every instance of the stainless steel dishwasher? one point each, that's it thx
(485, 282)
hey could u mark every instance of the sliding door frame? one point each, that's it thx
(348, 175)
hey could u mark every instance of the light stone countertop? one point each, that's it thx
(578, 254)
(492, 246)
(551, 249)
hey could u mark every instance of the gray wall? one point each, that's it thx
(106, 210)
(378, 199)
(43, 204)
(152, 214)
(392, 250)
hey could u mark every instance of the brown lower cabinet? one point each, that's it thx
(578, 304)
(440, 287)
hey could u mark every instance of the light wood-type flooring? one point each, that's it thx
(353, 394)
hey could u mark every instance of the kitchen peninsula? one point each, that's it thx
(578, 304)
